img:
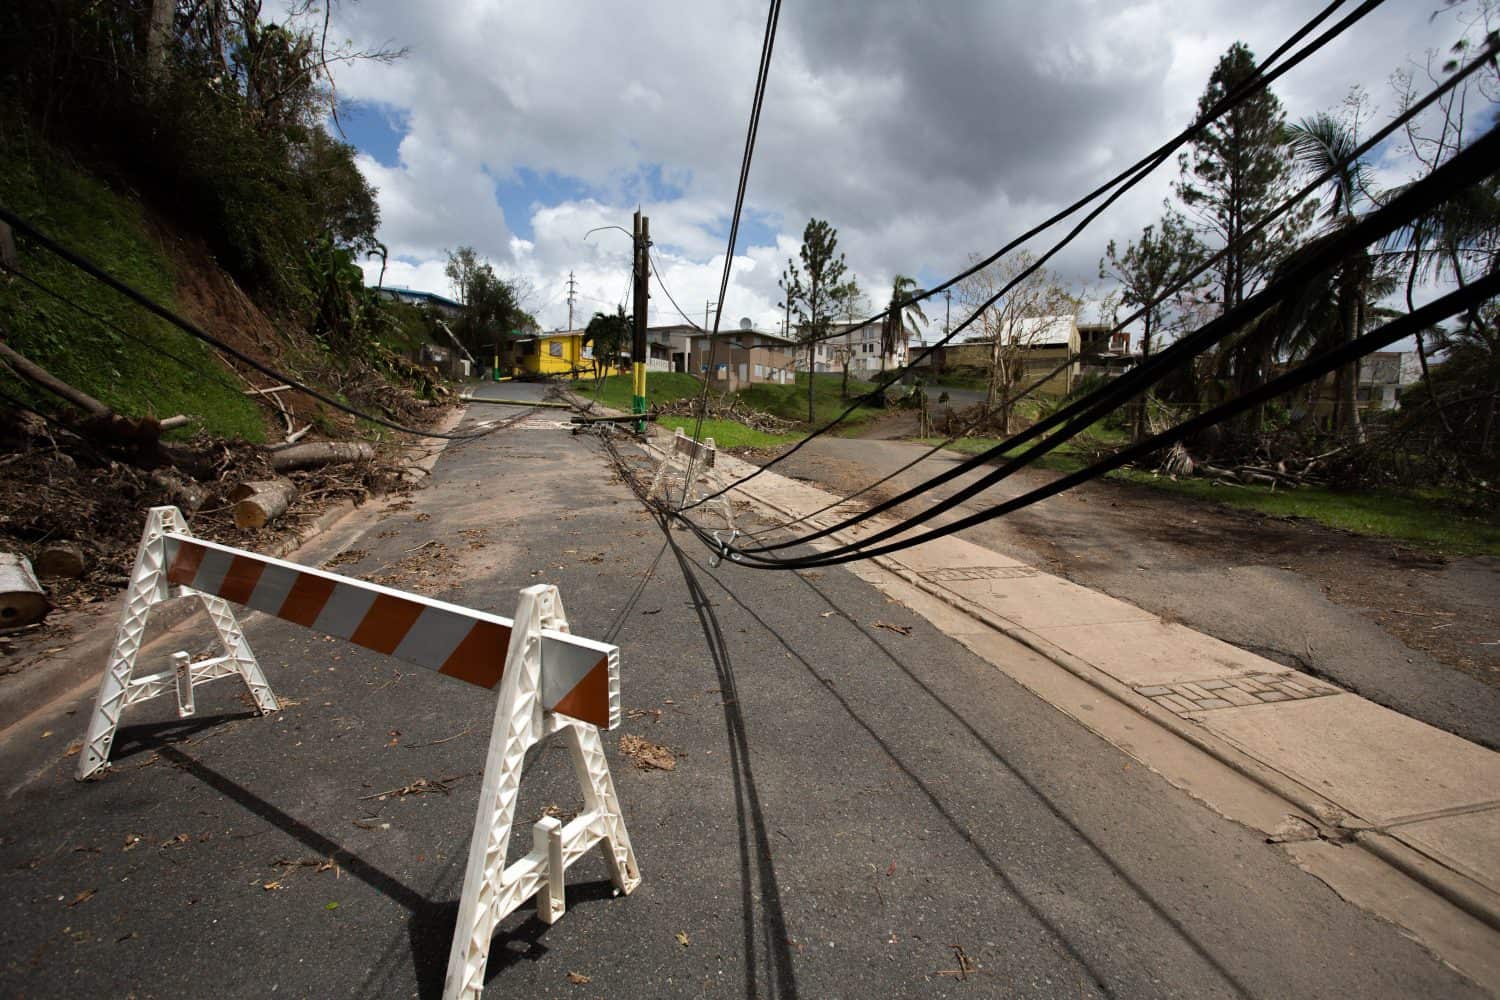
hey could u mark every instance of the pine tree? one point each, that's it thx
(1238, 169)
(816, 290)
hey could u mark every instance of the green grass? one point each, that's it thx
(790, 401)
(661, 387)
(962, 377)
(729, 433)
(1066, 457)
(130, 373)
(1431, 520)
(786, 401)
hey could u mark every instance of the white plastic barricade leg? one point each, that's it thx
(685, 469)
(120, 687)
(491, 890)
(550, 681)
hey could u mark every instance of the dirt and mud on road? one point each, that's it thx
(1407, 628)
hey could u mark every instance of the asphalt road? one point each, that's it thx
(853, 811)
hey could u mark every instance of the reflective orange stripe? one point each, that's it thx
(386, 624)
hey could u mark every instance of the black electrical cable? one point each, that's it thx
(150, 305)
(1146, 374)
(1372, 226)
(1130, 176)
(1472, 165)
(924, 456)
(773, 16)
(1452, 304)
(656, 273)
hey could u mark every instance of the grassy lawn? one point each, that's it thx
(1431, 520)
(963, 377)
(729, 433)
(786, 401)
(790, 401)
(1066, 457)
(130, 372)
(661, 387)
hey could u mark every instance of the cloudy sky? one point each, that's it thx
(923, 132)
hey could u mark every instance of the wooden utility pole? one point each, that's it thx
(642, 288)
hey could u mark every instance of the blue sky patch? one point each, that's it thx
(373, 129)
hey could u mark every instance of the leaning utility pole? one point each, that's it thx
(642, 293)
(571, 286)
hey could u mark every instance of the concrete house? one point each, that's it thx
(557, 353)
(1046, 342)
(733, 359)
(862, 347)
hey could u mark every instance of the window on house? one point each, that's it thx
(554, 348)
(760, 371)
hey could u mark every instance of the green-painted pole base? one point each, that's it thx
(638, 406)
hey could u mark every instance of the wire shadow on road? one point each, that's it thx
(756, 864)
(1041, 796)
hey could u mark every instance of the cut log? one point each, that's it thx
(60, 560)
(310, 456)
(21, 599)
(172, 423)
(266, 501)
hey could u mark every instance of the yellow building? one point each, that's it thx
(551, 354)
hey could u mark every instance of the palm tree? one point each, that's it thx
(901, 322)
(1323, 143)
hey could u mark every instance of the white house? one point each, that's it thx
(862, 347)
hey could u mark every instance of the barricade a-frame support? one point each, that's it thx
(491, 889)
(685, 464)
(550, 682)
(120, 688)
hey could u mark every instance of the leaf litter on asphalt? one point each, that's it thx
(646, 755)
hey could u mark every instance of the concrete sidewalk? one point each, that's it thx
(1420, 800)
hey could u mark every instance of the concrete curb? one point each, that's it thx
(1333, 822)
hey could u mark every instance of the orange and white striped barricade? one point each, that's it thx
(550, 681)
(687, 472)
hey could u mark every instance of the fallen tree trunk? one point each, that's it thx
(36, 374)
(309, 456)
(21, 599)
(258, 503)
(103, 423)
